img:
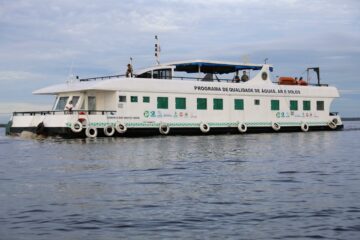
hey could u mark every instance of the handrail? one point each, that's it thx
(101, 78)
(65, 112)
(182, 78)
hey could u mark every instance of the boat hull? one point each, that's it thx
(66, 132)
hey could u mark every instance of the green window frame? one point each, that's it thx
(257, 101)
(320, 105)
(275, 105)
(239, 104)
(293, 105)
(201, 103)
(146, 99)
(162, 103)
(306, 105)
(134, 99)
(180, 103)
(218, 104)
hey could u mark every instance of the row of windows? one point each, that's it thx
(320, 106)
(218, 103)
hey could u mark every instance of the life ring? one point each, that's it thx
(120, 127)
(204, 127)
(242, 127)
(275, 126)
(164, 129)
(76, 127)
(91, 132)
(332, 124)
(82, 116)
(109, 130)
(304, 127)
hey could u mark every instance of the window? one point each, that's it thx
(257, 101)
(275, 105)
(306, 105)
(91, 103)
(61, 103)
(144, 75)
(239, 104)
(201, 103)
(133, 98)
(75, 100)
(218, 104)
(146, 99)
(180, 103)
(320, 105)
(162, 102)
(122, 98)
(162, 74)
(293, 105)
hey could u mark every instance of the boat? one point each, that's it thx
(184, 97)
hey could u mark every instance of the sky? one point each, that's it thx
(43, 41)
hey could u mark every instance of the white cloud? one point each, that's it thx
(8, 108)
(20, 75)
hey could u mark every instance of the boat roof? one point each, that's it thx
(215, 67)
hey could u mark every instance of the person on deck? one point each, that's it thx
(129, 71)
(236, 79)
(244, 77)
(69, 107)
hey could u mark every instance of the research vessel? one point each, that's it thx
(185, 97)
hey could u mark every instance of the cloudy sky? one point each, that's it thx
(41, 40)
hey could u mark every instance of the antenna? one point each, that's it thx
(157, 50)
(71, 76)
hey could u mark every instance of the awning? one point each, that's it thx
(214, 67)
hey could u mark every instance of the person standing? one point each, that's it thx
(244, 77)
(69, 107)
(129, 71)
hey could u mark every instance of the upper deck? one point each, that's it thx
(202, 74)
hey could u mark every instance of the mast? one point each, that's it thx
(157, 50)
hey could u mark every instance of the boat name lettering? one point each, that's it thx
(247, 90)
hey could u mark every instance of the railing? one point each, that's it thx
(66, 112)
(101, 78)
(216, 79)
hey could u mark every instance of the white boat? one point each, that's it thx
(163, 100)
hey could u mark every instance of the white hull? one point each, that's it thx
(137, 103)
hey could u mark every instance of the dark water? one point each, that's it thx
(261, 186)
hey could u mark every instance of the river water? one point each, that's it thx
(254, 186)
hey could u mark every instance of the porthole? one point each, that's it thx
(264, 76)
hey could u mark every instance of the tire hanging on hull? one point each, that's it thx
(304, 127)
(204, 127)
(164, 129)
(109, 131)
(242, 127)
(275, 126)
(91, 132)
(120, 127)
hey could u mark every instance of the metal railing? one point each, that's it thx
(216, 79)
(65, 112)
(101, 78)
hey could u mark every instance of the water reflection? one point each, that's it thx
(298, 184)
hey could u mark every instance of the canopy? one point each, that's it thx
(214, 67)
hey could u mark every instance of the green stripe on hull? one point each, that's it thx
(211, 124)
